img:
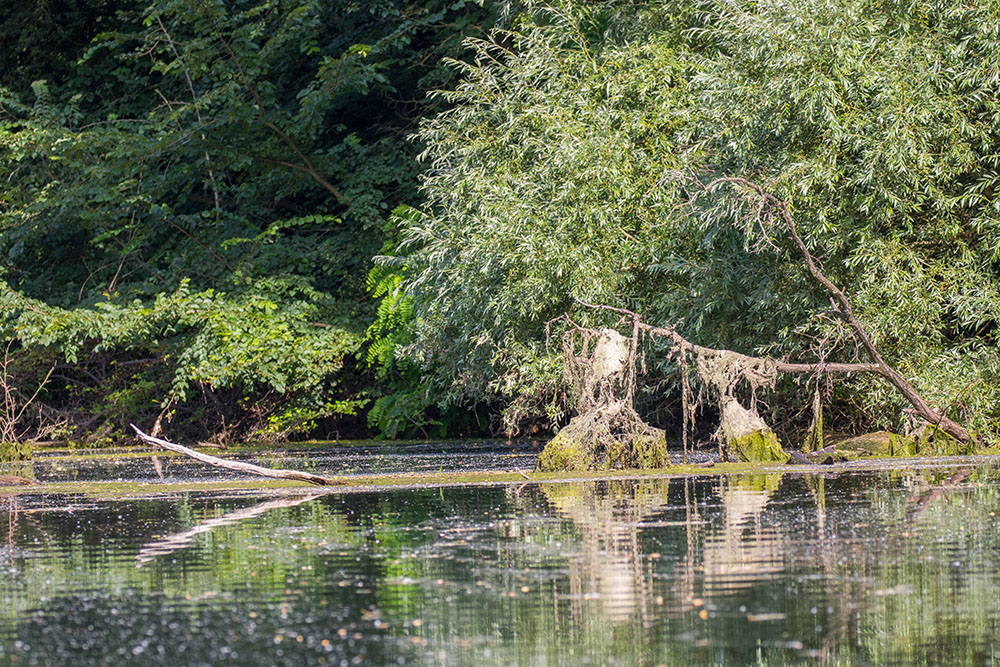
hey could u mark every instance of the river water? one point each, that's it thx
(859, 565)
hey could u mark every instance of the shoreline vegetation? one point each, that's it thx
(871, 451)
(615, 224)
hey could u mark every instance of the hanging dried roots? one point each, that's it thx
(599, 367)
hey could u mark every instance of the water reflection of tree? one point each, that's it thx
(735, 549)
(608, 563)
(740, 550)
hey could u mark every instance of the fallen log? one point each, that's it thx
(824, 456)
(237, 466)
(15, 480)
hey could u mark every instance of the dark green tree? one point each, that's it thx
(199, 197)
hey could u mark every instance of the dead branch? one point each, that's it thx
(238, 466)
(844, 311)
(767, 368)
(707, 352)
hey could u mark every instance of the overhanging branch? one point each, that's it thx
(844, 310)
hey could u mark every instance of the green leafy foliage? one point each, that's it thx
(249, 153)
(575, 161)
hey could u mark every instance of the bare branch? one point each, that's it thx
(238, 466)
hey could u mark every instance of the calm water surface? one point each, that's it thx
(850, 566)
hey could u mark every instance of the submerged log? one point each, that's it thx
(237, 466)
(15, 480)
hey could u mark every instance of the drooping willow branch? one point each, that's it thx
(843, 310)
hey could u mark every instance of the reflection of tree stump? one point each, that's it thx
(609, 563)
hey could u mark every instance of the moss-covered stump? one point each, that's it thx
(15, 451)
(878, 443)
(749, 436)
(605, 438)
(563, 453)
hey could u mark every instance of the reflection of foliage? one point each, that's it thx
(488, 572)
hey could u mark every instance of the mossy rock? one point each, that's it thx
(877, 443)
(758, 446)
(929, 441)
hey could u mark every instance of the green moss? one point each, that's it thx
(15, 451)
(561, 454)
(565, 453)
(900, 445)
(934, 441)
(760, 446)
(651, 452)
(814, 438)
(928, 442)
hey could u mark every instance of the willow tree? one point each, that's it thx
(577, 162)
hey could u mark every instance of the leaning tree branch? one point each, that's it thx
(845, 312)
(237, 466)
(685, 345)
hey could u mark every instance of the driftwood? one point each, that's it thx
(15, 480)
(824, 456)
(237, 466)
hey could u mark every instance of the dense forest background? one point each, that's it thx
(249, 219)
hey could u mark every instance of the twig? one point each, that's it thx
(197, 113)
